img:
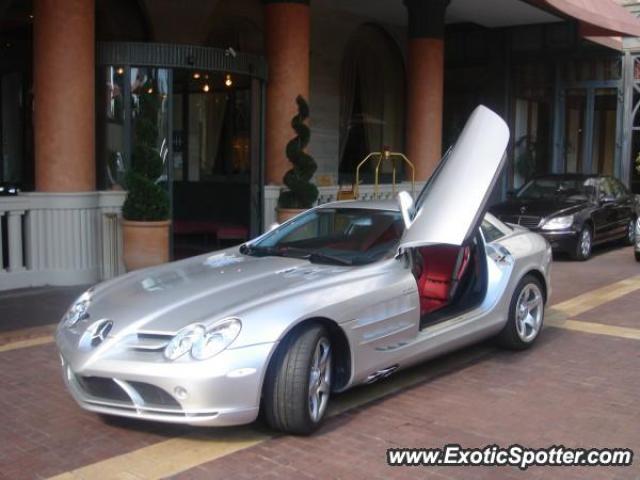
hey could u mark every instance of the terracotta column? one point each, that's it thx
(287, 29)
(425, 83)
(64, 95)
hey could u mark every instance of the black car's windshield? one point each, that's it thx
(558, 188)
(343, 236)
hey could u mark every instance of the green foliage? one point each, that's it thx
(300, 192)
(146, 199)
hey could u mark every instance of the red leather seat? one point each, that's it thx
(438, 274)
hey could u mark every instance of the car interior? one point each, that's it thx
(451, 279)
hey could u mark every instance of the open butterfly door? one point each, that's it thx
(450, 207)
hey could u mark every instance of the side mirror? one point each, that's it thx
(407, 208)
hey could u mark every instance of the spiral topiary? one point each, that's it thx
(146, 199)
(300, 192)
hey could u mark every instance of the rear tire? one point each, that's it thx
(298, 382)
(584, 244)
(526, 315)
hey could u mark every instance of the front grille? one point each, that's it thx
(528, 221)
(107, 389)
(514, 219)
(153, 395)
(104, 388)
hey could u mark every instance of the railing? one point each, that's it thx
(59, 238)
(329, 194)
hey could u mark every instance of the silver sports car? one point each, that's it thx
(341, 295)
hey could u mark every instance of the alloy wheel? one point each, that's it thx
(585, 243)
(320, 379)
(631, 232)
(529, 312)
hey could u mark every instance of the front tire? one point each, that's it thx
(526, 315)
(630, 236)
(298, 382)
(584, 244)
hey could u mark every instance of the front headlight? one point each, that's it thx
(78, 310)
(558, 223)
(184, 341)
(216, 339)
(203, 342)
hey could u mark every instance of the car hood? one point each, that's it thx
(206, 288)
(538, 207)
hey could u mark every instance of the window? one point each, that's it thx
(355, 236)
(606, 189)
(490, 232)
(372, 111)
(618, 188)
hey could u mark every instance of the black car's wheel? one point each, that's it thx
(298, 383)
(584, 244)
(526, 315)
(637, 254)
(630, 236)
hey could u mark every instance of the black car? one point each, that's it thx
(573, 212)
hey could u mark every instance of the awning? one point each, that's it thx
(598, 18)
(611, 42)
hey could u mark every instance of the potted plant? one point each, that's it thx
(145, 225)
(300, 194)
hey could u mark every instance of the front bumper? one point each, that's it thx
(224, 390)
(560, 240)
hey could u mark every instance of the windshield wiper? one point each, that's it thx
(285, 251)
(315, 255)
(252, 250)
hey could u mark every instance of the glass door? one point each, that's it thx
(590, 130)
(203, 120)
(603, 143)
(575, 108)
(11, 128)
(213, 160)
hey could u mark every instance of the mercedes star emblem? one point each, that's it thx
(96, 333)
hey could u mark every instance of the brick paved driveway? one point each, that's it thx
(578, 387)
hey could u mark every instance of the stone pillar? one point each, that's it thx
(64, 95)
(425, 84)
(287, 38)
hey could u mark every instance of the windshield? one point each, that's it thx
(553, 188)
(347, 236)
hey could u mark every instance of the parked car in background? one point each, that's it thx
(573, 212)
(341, 295)
(8, 189)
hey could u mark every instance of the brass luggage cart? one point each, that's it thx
(385, 156)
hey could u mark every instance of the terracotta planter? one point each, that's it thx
(284, 214)
(145, 243)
